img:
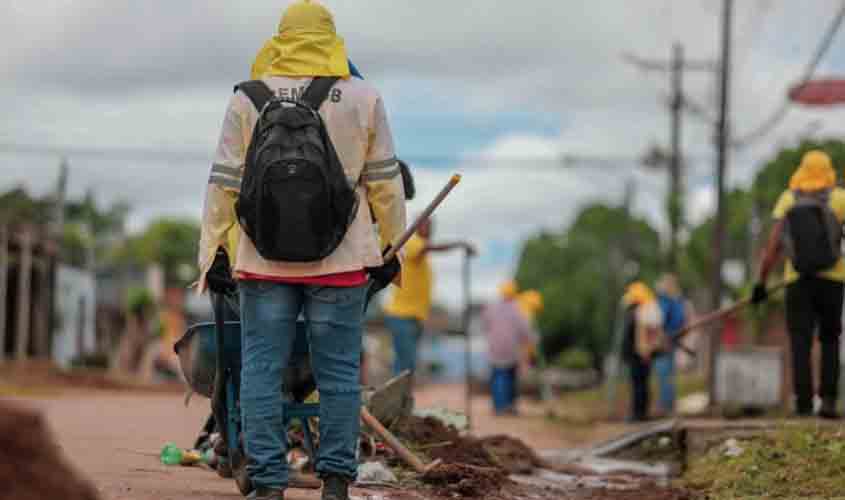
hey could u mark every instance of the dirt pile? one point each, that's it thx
(439, 441)
(513, 455)
(30, 465)
(424, 431)
(465, 480)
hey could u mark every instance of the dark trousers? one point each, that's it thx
(814, 304)
(640, 397)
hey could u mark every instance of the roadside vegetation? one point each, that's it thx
(791, 462)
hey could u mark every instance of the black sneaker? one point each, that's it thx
(335, 487)
(262, 493)
(828, 410)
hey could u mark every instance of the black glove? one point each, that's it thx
(219, 276)
(760, 294)
(382, 276)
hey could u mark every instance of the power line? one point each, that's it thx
(779, 114)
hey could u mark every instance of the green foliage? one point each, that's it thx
(140, 301)
(581, 273)
(574, 359)
(172, 243)
(791, 462)
(696, 262)
(18, 205)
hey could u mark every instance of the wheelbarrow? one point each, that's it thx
(202, 355)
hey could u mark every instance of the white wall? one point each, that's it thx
(75, 308)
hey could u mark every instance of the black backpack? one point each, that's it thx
(812, 233)
(296, 203)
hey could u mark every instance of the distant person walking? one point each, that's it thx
(508, 331)
(675, 317)
(409, 306)
(643, 339)
(808, 229)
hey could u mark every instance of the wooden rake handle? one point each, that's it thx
(409, 232)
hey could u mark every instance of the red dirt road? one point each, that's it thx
(114, 440)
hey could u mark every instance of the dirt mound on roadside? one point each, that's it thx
(30, 465)
(439, 441)
(465, 480)
(464, 451)
(424, 431)
(513, 455)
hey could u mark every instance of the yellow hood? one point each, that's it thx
(638, 293)
(530, 303)
(815, 173)
(306, 44)
(508, 290)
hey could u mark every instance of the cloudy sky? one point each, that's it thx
(133, 94)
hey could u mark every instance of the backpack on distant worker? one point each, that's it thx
(812, 233)
(296, 203)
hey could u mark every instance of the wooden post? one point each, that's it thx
(4, 277)
(24, 292)
(40, 308)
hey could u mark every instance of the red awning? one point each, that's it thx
(825, 92)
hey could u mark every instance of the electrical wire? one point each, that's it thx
(775, 119)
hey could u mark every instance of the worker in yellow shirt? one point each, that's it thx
(530, 304)
(409, 306)
(808, 231)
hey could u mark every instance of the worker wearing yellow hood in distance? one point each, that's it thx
(329, 293)
(509, 333)
(807, 228)
(643, 338)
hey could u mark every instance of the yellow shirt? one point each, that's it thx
(837, 204)
(413, 300)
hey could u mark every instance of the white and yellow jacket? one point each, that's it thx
(356, 120)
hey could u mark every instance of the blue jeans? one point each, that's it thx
(503, 388)
(334, 319)
(406, 338)
(664, 367)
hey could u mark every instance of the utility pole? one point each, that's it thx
(59, 200)
(676, 67)
(676, 197)
(722, 147)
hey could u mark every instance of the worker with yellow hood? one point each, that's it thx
(808, 229)
(330, 292)
(643, 339)
(507, 331)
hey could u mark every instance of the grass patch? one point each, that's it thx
(790, 462)
(586, 407)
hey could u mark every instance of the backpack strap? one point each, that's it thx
(319, 90)
(257, 91)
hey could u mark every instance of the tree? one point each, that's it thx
(582, 272)
(172, 243)
(18, 205)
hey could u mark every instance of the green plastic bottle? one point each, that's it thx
(171, 454)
